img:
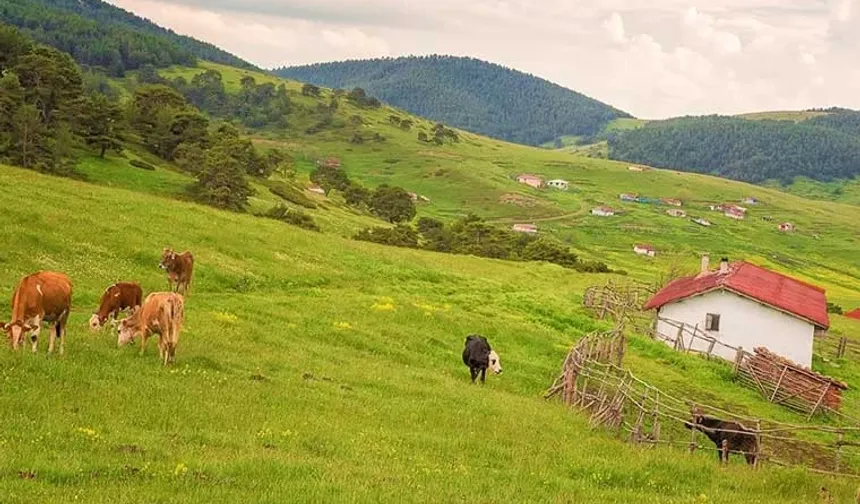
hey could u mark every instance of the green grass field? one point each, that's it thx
(312, 369)
(315, 368)
(782, 115)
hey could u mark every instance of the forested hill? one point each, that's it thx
(470, 94)
(823, 148)
(98, 34)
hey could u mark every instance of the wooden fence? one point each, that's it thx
(837, 347)
(619, 301)
(593, 382)
(779, 380)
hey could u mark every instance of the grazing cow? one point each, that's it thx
(740, 439)
(179, 268)
(118, 297)
(45, 296)
(162, 313)
(479, 356)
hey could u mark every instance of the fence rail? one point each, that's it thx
(594, 382)
(778, 380)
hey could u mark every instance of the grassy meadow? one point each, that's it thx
(315, 368)
(311, 369)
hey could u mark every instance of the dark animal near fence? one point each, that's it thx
(739, 438)
(45, 296)
(478, 356)
(179, 268)
(116, 298)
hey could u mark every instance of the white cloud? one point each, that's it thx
(655, 59)
(615, 27)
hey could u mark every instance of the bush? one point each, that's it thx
(143, 165)
(398, 236)
(356, 195)
(392, 204)
(289, 193)
(292, 216)
(834, 308)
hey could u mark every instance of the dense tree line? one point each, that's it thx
(469, 94)
(255, 105)
(846, 121)
(98, 34)
(390, 203)
(471, 235)
(822, 148)
(48, 118)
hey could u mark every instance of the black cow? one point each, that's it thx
(740, 439)
(478, 356)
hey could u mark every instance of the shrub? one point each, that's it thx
(392, 204)
(398, 236)
(143, 165)
(292, 216)
(289, 193)
(834, 308)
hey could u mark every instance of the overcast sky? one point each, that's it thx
(654, 59)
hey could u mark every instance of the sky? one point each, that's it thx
(653, 59)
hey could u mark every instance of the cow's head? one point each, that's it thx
(15, 332)
(494, 363)
(127, 329)
(168, 257)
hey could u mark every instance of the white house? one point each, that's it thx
(530, 180)
(634, 168)
(735, 212)
(676, 212)
(316, 189)
(644, 249)
(602, 211)
(629, 197)
(559, 184)
(743, 305)
(702, 222)
(525, 228)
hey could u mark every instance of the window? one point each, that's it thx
(712, 322)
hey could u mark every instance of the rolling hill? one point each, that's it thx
(317, 368)
(470, 94)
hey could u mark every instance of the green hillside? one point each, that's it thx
(312, 368)
(470, 94)
(318, 368)
(99, 35)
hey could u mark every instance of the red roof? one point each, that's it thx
(854, 314)
(769, 287)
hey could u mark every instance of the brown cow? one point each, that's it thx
(179, 269)
(116, 298)
(162, 313)
(45, 296)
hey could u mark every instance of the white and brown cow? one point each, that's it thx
(179, 268)
(162, 313)
(118, 297)
(45, 296)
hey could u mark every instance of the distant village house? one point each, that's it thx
(749, 200)
(735, 212)
(314, 188)
(530, 180)
(629, 197)
(645, 249)
(525, 228)
(672, 202)
(854, 314)
(559, 184)
(702, 222)
(634, 168)
(676, 212)
(330, 162)
(743, 305)
(602, 211)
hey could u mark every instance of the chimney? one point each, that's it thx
(706, 263)
(724, 265)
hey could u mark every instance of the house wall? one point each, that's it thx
(743, 322)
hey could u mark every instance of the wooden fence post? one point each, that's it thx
(655, 425)
(739, 358)
(757, 460)
(724, 450)
(840, 352)
(839, 450)
(693, 429)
